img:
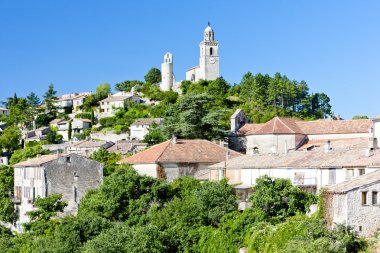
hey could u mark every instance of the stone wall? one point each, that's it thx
(72, 176)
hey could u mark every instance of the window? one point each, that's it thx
(361, 172)
(349, 173)
(332, 176)
(374, 198)
(75, 194)
(210, 50)
(68, 159)
(364, 198)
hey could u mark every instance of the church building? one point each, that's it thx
(208, 68)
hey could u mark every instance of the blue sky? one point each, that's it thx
(333, 45)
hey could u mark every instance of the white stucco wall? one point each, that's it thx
(138, 132)
(336, 136)
(270, 143)
(148, 169)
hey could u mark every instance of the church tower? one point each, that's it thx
(209, 56)
(167, 75)
(208, 68)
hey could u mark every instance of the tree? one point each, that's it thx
(47, 208)
(128, 85)
(92, 118)
(155, 135)
(193, 117)
(28, 152)
(49, 97)
(69, 131)
(10, 139)
(360, 117)
(153, 76)
(109, 159)
(125, 196)
(103, 90)
(279, 197)
(33, 100)
(6, 187)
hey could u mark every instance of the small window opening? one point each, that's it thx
(374, 198)
(361, 172)
(360, 228)
(75, 174)
(364, 198)
(68, 159)
(210, 50)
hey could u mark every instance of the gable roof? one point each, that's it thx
(290, 126)
(357, 182)
(38, 161)
(116, 98)
(147, 121)
(184, 151)
(280, 126)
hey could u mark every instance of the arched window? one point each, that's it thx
(210, 50)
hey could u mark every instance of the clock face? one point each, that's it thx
(212, 60)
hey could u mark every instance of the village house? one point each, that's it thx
(108, 106)
(175, 158)
(355, 203)
(140, 127)
(4, 111)
(37, 135)
(125, 147)
(67, 101)
(68, 174)
(312, 154)
(87, 147)
(77, 126)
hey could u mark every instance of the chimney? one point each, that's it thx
(174, 139)
(327, 146)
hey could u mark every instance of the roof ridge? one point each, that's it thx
(167, 145)
(287, 125)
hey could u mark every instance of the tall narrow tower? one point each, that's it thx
(167, 76)
(209, 56)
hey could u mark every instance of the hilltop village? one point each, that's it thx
(197, 165)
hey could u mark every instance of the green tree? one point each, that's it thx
(10, 138)
(155, 135)
(33, 100)
(49, 97)
(360, 117)
(69, 131)
(153, 76)
(193, 117)
(128, 85)
(47, 208)
(109, 159)
(124, 196)
(92, 117)
(28, 152)
(279, 197)
(6, 187)
(103, 90)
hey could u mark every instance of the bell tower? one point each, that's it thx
(209, 55)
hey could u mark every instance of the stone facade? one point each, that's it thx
(70, 175)
(208, 68)
(355, 203)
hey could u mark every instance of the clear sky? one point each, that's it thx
(333, 45)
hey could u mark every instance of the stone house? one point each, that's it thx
(108, 106)
(69, 174)
(73, 100)
(125, 147)
(281, 135)
(313, 166)
(87, 147)
(140, 127)
(355, 203)
(37, 135)
(77, 126)
(175, 158)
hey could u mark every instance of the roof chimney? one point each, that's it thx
(327, 146)
(174, 139)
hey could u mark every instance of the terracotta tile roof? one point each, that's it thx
(147, 121)
(249, 128)
(38, 161)
(287, 125)
(280, 126)
(357, 182)
(335, 126)
(315, 158)
(184, 151)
